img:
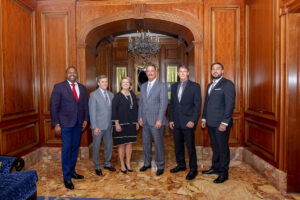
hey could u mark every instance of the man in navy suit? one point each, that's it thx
(69, 115)
(217, 115)
(185, 107)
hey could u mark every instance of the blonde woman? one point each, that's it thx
(124, 116)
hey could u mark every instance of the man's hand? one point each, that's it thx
(57, 130)
(222, 128)
(140, 121)
(84, 124)
(171, 125)
(190, 124)
(203, 124)
(158, 124)
(96, 131)
(137, 126)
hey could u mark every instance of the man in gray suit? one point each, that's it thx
(100, 117)
(152, 108)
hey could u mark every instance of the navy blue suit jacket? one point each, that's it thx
(219, 105)
(189, 108)
(64, 109)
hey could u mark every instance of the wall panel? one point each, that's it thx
(19, 88)
(56, 51)
(19, 137)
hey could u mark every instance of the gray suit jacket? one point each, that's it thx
(153, 107)
(100, 112)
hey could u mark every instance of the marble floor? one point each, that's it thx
(244, 182)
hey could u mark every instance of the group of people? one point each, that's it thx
(115, 119)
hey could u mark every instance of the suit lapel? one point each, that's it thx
(217, 85)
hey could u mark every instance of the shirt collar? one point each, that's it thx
(216, 81)
(152, 82)
(72, 83)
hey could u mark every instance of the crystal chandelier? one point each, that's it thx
(144, 45)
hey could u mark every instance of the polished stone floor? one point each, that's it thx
(244, 183)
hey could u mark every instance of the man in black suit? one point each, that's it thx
(217, 115)
(185, 107)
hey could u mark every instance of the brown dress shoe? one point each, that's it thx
(99, 172)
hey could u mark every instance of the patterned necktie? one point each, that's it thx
(148, 89)
(106, 97)
(211, 87)
(74, 91)
(180, 91)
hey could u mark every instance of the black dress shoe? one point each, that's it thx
(130, 170)
(144, 168)
(191, 175)
(221, 179)
(177, 169)
(124, 172)
(77, 176)
(99, 172)
(210, 171)
(69, 185)
(112, 169)
(159, 172)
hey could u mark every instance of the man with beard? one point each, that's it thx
(217, 115)
(69, 114)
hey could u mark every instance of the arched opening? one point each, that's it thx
(185, 40)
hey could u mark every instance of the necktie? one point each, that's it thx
(148, 89)
(211, 87)
(180, 91)
(106, 97)
(74, 91)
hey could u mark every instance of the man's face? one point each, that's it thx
(103, 83)
(151, 73)
(216, 71)
(183, 74)
(72, 75)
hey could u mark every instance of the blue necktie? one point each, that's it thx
(148, 89)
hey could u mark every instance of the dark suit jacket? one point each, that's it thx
(189, 108)
(64, 109)
(219, 105)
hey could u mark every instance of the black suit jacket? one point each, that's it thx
(63, 106)
(189, 108)
(219, 105)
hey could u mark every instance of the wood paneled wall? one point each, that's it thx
(262, 75)
(56, 51)
(224, 33)
(19, 80)
(39, 39)
(290, 62)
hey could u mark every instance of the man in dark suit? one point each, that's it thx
(152, 117)
(185, 107)
(69, 115)
(217, 115)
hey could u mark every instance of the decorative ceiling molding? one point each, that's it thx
(138, 10)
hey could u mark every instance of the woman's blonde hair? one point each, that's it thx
(129, 80)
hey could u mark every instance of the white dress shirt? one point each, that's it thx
(102, 91)
(76, 88)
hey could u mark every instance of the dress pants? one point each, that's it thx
(107, 140)
(187, 135)
(221, 153)
(70, 145)
(150, 132)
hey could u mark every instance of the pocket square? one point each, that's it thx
(218, 89)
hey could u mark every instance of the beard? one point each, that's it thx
(216, 77)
